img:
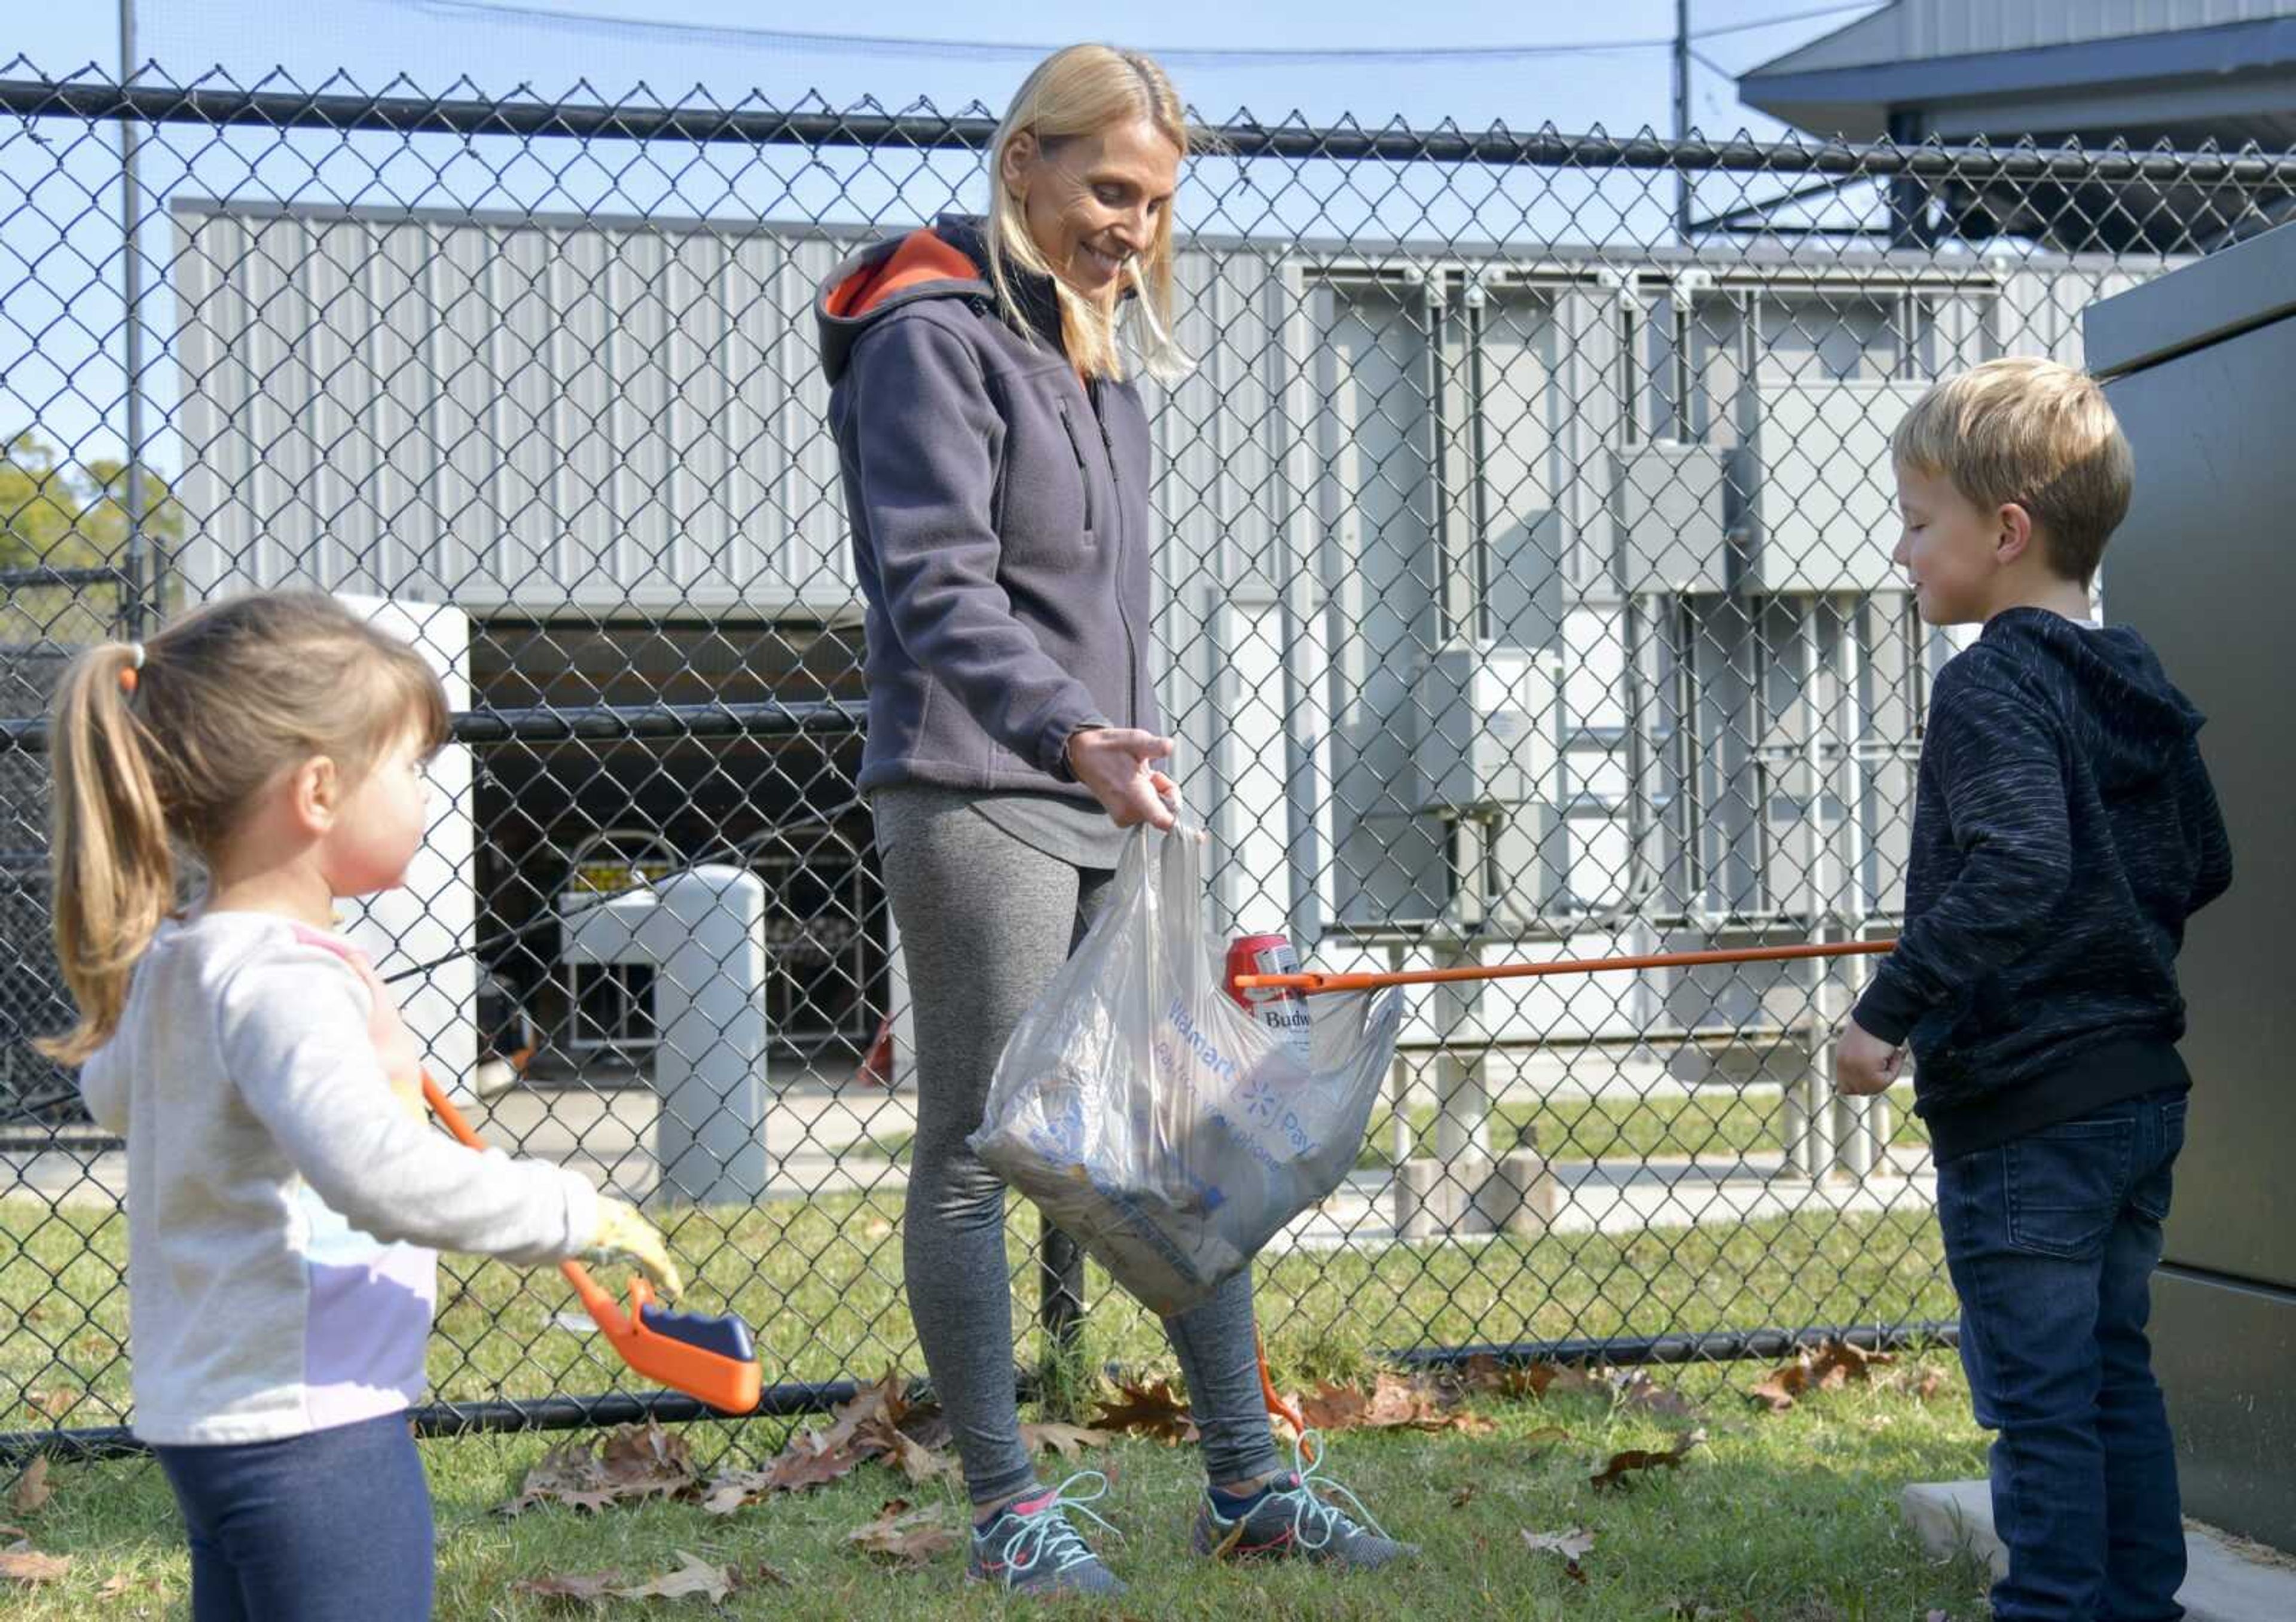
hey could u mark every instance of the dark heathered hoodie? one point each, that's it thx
(2064, 828)
(1000, 517)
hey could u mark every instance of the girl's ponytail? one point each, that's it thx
(110, 854)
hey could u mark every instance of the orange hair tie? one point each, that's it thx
(128, 676)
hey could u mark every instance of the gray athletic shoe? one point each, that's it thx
(1298, 1518)
(1030, 1548)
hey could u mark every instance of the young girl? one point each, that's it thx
(283, 1188)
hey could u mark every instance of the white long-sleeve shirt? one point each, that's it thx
(284, 1189)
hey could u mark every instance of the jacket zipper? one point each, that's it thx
(1116, 487)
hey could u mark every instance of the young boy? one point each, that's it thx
(2064, 828)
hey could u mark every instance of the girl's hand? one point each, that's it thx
(1113, 762)
(625, 1237)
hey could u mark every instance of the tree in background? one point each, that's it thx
(59, 514)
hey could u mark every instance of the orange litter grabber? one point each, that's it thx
(1311, 984)
(713, 1359)
(1277, 1406)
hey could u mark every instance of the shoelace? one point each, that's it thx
(1045, 1532)
(1307, 1502)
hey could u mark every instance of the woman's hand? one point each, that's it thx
(1113, 762)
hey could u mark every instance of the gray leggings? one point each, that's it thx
(984, 922)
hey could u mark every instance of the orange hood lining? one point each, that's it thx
(920, 257)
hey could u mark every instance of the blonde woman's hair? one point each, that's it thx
(2034, 433)
(1081, 91)
(157, 761)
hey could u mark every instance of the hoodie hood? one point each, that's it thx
(947, 259)
(2132, 723)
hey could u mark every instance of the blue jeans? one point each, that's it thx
(2052, 1240)
(333, 1526)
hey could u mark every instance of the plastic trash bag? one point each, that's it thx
(1164, 1128)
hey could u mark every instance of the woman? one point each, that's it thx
(995, 464)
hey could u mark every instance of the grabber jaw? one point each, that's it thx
(714, 1359)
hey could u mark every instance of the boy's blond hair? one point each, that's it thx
(2035, 433)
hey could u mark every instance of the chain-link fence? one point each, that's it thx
(1523, 590)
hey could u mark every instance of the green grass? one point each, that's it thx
(1712, 1122)
(819, 1281)
(1705, 1123)
(1787, 1518)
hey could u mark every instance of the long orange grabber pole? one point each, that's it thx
(711, 1358)
(1311, 984)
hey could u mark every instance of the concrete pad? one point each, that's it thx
(2228, 1580)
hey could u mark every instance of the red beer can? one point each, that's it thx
(1282, 1009)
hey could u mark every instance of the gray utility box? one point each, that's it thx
(1669, 500)
(1488, 716)
(2200, 364)
(1812, 478)
(704, 933)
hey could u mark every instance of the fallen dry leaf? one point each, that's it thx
(31, 1489)
(24, 1564)
(1638, 1390)
(903, 1452)
(1335, 1408)
(905, 1537)
(887, 1401)
(55, 1404)
(1783, 1387)
(734, 1489)
(1462, 1496)
(1569, 1545)
(1485, 1373)
(116, 1586)
(928, 1427)
(1548, 1435)
(1835, 1364)
(595, 1589)
(633, 1461)
(1394, 1402)
(1066, 1440)
(1153, 1412)
(876, 1423)
(1839, 1362)
(1622, 1465)
(692, 1577)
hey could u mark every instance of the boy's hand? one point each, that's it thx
(1863, 1063)
(625, 1237)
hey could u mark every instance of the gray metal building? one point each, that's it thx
(2188, 73)
(1505, 595)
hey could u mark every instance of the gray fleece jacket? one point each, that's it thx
(999, 507)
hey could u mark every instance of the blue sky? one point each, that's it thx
(60, 311)
(437, 40)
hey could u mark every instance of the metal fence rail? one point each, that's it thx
(1524, 592)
